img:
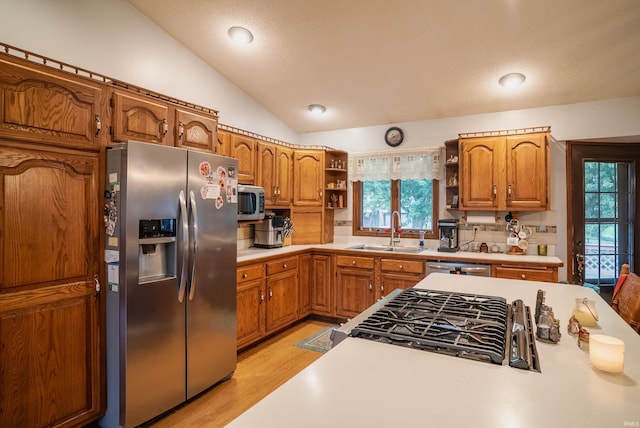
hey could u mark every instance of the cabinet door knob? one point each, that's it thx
(401, 267)
(244, 275)
(524, 276)
(353, 262)
(180, 129)
(370, 286)
(98, 124)
(284, 265)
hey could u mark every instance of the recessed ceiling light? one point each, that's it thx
(512, 80)
(240, 35)
(317, 109)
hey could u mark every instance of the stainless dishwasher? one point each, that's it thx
(457, 268)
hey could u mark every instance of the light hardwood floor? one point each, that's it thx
(260, 370)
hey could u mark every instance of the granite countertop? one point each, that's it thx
(428, 254)
(363, 383)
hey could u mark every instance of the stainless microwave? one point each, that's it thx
(250, 203)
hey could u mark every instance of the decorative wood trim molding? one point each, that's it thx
(81, 72)
(233, 129)
(506, 132)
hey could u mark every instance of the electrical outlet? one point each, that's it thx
(476, 229)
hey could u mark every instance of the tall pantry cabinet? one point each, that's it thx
(51, 134)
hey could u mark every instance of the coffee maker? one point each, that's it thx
(448, 229)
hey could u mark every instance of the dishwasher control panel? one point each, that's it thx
(454, 268)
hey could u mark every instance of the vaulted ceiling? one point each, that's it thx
(374, 62)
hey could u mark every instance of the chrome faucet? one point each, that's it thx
(393, 240)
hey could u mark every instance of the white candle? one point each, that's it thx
(606, 353)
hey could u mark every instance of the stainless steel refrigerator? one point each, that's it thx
(170, 219)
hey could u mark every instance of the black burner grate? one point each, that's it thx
(465, 325)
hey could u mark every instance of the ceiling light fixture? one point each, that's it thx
(317, 109)
(512, 80)
(240, 35)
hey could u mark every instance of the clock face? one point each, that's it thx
(394, 136)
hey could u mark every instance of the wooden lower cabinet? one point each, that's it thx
(267, 298)
(542, 273)
(51, 351)
(355, 278)
(282, 293)
(400, 273)
(305, 280)
(322, 290)
(250, 304)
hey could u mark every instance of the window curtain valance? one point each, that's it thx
(410, 164)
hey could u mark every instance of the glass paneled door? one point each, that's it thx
(602, 205)
(608, 225)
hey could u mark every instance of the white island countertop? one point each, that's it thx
(362, 383)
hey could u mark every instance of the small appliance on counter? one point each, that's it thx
(448, 232)
(270, 232)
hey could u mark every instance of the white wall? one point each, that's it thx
(112, 38)
(602, 119)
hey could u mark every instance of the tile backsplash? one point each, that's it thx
(542, 225)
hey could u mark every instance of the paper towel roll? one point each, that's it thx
(481, 219)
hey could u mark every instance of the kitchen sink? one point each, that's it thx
(406, 249)
(386, 248)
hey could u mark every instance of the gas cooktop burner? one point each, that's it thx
(465, 325)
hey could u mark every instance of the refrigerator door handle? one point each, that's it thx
(194, 213)
(185, 246)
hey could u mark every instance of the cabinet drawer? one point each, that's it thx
(397, 265)
(249, 273)
(530, 274)
(282, 265)
(358, 262)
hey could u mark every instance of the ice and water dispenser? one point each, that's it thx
(157, 250)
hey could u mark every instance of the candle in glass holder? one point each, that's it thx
(585, 312)
(606, 353)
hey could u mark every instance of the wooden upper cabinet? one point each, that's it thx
(505, 172)
(139, 118)
(482, 172)
(196, 130)
(266, 173)
(528, 172)
(223, 143)
(308, 170)
(41, 105)
(243, 148)
(284, 179)
(49, 305)
(274, 173)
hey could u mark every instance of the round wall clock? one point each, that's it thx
(394, 136)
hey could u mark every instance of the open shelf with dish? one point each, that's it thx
(335, 179)
(452, 174)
